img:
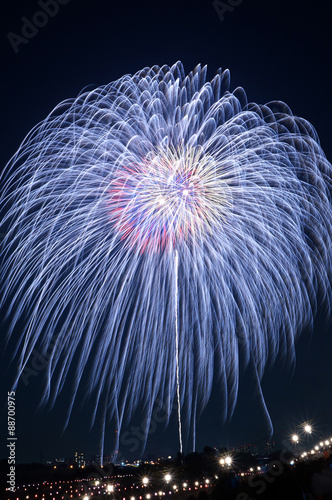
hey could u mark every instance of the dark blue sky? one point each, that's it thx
(275, 49)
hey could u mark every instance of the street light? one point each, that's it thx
(295, 438)
(228, 460)
(168, 478)
(307, 428)
(145, 481)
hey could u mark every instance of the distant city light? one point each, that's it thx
(308, 428)
(111, 485)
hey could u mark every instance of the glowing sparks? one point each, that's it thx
(109, 186)
(168, 197)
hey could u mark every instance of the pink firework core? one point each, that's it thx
(159, 202)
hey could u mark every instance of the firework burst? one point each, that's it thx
(115, 186)
(168, 198)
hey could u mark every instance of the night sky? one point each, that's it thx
(275, 49)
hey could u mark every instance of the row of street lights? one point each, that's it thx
(227, 461)
(319, 446)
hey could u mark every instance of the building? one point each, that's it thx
(79, 460)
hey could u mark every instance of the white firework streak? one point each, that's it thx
(106, 189)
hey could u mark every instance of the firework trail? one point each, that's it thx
(153, 173)
(178, 392)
